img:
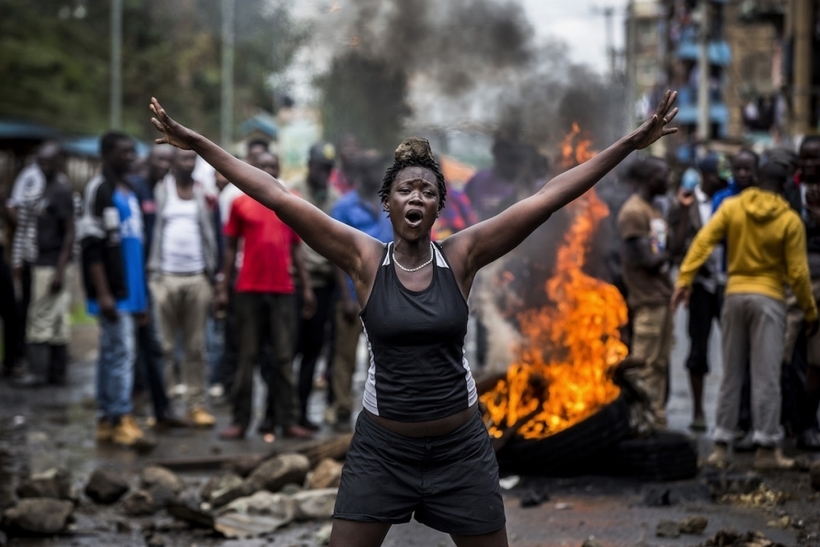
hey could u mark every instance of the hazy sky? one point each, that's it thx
(580, 25)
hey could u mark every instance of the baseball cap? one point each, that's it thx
(323, 153)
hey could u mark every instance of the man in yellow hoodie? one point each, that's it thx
(766, 245)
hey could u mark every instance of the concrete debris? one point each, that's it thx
(156, 540)
(667, 529)
(45, 516)
(693, 525)
(762, 497)
(315, 504)
(322, 535)
(159, 477)
(592, 542)
(53, 483)
(223, 489)
(105, 486)
(733, 538)
(721, 484)
(189, 509)
(139, 503)
(255, 515)
(780, 524)
(326, 475)
(276, 472)
(291, 489)
(814, 474)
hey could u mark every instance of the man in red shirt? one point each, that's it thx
(264, 296)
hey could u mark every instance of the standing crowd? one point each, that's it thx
(196, 288)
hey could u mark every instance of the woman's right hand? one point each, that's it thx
(173, 133)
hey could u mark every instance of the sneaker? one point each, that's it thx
(719, 457)
(199, 417)
(297, 432)
(127, 432)
(104, 431)
(233, 433)
(179, 390)
(216, 391)
(307, 424)
(769, 458)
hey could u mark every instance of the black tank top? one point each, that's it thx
(418, 370)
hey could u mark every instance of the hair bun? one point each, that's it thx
(414, 149)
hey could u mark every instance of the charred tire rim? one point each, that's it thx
(571, 451)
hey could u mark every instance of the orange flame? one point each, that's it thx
(575, 153)
(562, 373)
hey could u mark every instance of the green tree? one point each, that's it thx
(54, 60)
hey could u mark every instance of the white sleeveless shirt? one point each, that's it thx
(181, 237)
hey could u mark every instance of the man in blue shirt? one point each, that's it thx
(110, 232)
(744, 171)
(361, 209)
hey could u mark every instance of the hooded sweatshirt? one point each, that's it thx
(766, 245)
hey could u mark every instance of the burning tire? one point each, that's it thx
(571, 451)
(665, 456)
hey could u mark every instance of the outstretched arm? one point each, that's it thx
(350, 249)
(487, 241)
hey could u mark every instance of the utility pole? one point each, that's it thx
(631, 65)
(226, 118)
(802, 84)
(704, 126)
(116, 64)
(608, 12)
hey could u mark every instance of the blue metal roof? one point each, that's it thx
(262, 123)
(16, 129)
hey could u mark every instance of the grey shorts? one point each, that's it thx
(448, 483)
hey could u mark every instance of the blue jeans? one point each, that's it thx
(115, 367)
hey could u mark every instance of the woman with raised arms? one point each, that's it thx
(420, 447)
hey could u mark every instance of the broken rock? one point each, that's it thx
(224, 489)
(105, 486)
(693, 525)
(326, 475)
(38, 516)
(140, 503)
(156, 476)
(315, 504)
(188, 509)
(255, 515)
(592, 542)
(276, 472)
(53, 483)
(667, 529)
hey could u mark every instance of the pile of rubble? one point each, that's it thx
(282, 489)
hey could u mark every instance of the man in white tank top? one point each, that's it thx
(181, 265)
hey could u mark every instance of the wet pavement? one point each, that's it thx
(55, 426)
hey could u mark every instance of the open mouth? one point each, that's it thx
(414, 217)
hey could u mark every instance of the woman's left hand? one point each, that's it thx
(655, 127)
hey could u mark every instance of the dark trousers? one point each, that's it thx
(229, 363)
(312, 339)
(148, 369)
(22, 308)
(704, 307)
(252, 311)
(13, 326)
